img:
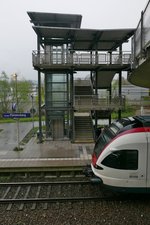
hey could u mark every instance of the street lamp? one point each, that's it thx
(17, 120)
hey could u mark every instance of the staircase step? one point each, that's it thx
(83, 122)
(83, 129)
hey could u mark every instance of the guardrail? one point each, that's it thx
(91, 102)
(64, 58)
(142, 35)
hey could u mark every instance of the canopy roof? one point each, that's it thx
(57, 28)
(55, 19)
(85, 39)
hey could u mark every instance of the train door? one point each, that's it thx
(142, 161)
(138, 176)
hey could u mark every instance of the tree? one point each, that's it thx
(21, 93)
(13, 91)
(5, 93)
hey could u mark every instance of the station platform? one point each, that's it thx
(46, 156)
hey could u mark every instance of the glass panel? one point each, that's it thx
(146, 26)
(59, 78)
(56, 78)
(56, 90)
(59, 96)
(138, 40)
(59, 87)
(48, 78)
(123, 159)
(103, 140)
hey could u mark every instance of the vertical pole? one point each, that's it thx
(96, 93)
(110, 55)
(110, 97)
(47, 83)
(142, 33)
(96, 57)
(39, 95)
(132, 52)
(39, 101)
(17, 109)
(72, 102)
(46, 117)
(68, 106)
(120, 85)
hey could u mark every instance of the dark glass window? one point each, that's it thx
(99, 145)
(122, 159)
(103, 140)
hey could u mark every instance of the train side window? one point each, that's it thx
(122, 159)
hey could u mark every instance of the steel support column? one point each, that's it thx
(142, 32)
(120, 84)
(110, 89)
(71, 107)
(39, 96)
(110, 97)
(47, 124)
(96, 93)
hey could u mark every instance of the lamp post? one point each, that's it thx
(17, 120)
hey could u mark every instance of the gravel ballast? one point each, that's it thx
(128, 212)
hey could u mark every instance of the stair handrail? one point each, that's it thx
(94, 102)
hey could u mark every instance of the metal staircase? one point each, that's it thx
(83, 125)
(84, 131)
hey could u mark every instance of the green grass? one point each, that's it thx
(130, 112)
(28, 136)
(9, 120)
(26, 139)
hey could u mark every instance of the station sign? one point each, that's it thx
(16, 115)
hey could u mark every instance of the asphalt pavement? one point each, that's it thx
(9, 134)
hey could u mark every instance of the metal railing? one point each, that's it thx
(65, 58)
(92, 102)
(142, 34)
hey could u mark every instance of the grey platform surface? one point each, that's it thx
(46, 154)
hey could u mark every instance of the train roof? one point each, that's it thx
(128, 123)
(143, 119)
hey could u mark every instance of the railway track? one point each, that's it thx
(33, 193)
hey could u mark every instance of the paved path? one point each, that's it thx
(35, 155)
(8, 135)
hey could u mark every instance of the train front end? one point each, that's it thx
(121, 155)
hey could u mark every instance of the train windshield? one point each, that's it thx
(110, 132)
(105, 137)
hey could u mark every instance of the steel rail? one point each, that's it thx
(52, 200)
(44, 183)
(15, 199)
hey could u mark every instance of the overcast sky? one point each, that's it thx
(17, 38)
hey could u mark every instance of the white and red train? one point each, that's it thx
(121, 156)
